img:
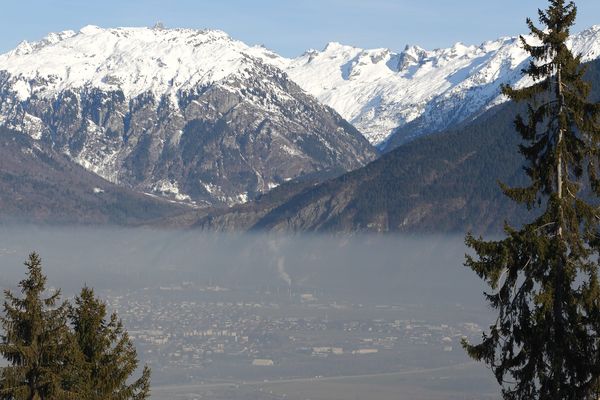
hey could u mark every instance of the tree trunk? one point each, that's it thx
(559, 164)
(559, 273)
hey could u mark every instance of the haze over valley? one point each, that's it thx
(202, 308)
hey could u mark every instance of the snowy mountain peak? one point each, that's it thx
(377, 90)
(587, 43)
(193, 115)
(335, 47)
(90, 30)
(134, 60)
(26, 47)
(415, 51)
(381, 91)
(412, 55)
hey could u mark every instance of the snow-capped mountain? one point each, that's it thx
(379, 90)
(190, 114)
(196, 115)
(132, 60)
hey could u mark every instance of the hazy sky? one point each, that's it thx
(292, 26)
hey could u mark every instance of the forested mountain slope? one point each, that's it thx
(46, 187)
(440, 183)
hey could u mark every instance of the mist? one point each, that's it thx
(412, 290)
(413, 269)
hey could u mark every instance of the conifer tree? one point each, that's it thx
(544, 276)
(108, 355)
(35, 341)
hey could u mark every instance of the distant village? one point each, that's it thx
(174, 331)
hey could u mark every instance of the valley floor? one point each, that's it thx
(466, 380)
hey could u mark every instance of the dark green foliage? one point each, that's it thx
(36, 341)
(544, 277)
(61, 351)
(108, 355)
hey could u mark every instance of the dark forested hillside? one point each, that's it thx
(45, 187)
(441, 183)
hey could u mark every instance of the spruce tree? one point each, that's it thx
(544, 276)
(35, 341)
(108, 355)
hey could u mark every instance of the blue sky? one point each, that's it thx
(290, 27)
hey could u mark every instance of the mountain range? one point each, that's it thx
(186, 114)
(392, 97)
(195, 122)
(443, 183)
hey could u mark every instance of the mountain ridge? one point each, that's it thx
(380, 91)
(198, 117)
(443, 183)
(186, 114)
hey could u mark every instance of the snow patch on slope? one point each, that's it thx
(171, 189)
(379, 90)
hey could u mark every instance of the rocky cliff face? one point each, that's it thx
(42, 186)
(393, 97)
(186, 114)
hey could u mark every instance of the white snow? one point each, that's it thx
(377, 90)
(22, 89)
(170, 188)
(135, 60)
(27, 151)
(210, 188)
(33, 126)
(290, 150)
(241, 198)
